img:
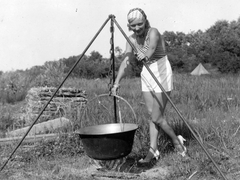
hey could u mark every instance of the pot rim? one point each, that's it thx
(104, 129)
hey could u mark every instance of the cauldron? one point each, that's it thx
(108, 141)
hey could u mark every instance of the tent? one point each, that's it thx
(199, 70)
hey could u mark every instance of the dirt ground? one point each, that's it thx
(94, 173)
(82, 168)
(126, 170)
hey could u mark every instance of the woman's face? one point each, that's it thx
(138, 26)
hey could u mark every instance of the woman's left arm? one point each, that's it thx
(154, 38)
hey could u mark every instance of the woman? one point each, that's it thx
(150, 46)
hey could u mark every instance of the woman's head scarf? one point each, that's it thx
(136, 13)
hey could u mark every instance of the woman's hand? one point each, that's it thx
(140, 56)
(114, 89)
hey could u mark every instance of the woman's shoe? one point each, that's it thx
(181, 140)
(152, 154)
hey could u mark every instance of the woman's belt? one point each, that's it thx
(151, 61)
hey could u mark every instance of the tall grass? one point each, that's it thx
(210, 104)
(204, 101)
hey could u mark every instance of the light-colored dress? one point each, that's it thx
(159, 65)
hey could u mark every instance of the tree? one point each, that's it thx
(176, 48)
(53, 74)
(69, 63)
(95, 56)
(118, 52)
(226, 45)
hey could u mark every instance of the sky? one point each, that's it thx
(35, 31)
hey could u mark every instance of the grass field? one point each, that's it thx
(210, 104)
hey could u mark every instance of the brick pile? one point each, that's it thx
(66, 103)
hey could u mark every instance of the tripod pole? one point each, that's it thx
(54, 94)
(178, 112)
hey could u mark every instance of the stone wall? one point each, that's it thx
(66, 103)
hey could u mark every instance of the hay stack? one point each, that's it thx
(65, 103)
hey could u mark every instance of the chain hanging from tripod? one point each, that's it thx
(112, 67)
(111, 72)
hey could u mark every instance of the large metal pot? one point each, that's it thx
(108, 141)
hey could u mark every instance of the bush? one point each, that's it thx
(52, 75)
(13, 86)
(6, 119)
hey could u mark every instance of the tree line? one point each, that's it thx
(219, 45)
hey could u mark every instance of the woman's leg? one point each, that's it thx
(153, 129)
(159, 104)
(156, 104)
